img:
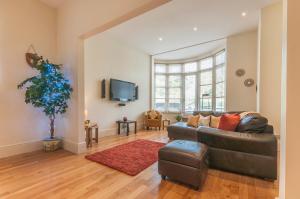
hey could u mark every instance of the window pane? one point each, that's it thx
(160, 80)
(205, 91)
(160, 104)
(220, 58)
(220, 74)
(190, 93)
(206, 63)
(174, 93)
(174, 68)
(206, 104)
(220, 89)
(190, 105)
(206, 77)
(190, 67)
(174, 81)
(160, 68)
(220, 104)
(160, 93)
(174, 105)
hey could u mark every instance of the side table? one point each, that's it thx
(89, 133)
(166, 121)
(127, 122)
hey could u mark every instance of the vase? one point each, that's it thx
(52, 144)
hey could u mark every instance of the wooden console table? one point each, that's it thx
(89, 133)
(119, 122)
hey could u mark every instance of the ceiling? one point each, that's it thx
(174, 23)
(53, 3)
(193, 52)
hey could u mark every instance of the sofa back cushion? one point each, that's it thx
(214, 121)
(215, 113)
(253, 123)
(193, 120)
(204, 120)
(229, 122)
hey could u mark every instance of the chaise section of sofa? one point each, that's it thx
(252, 151)
(253, 154)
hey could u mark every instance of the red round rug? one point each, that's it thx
(130, 158)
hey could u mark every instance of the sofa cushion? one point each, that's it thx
(243, 114)
(152, 114)
(229, 122)
(252, 123)
(204, 121)
(256, 143)
(193, 120)
(184, 152)
(214, 121)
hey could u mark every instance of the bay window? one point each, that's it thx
(190, 86)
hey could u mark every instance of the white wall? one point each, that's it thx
(22, 23)
(290, 138)
(78, 20)
(241, 53)
(107, 58)
(270, 64)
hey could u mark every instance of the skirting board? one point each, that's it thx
(74, 147)
(19, 148)
(77, 148)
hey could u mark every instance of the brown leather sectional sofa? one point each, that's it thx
(250, 150)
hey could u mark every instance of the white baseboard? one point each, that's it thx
(77, 148)
(19, 148)
(74, 147)
(26, 147)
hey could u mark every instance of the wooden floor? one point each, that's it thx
(64, 175)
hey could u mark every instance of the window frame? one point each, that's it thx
(197, 73)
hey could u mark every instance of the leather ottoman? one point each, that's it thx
(184, 161)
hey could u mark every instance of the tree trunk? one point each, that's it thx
(52, 127)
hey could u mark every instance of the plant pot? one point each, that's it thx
(52, 144)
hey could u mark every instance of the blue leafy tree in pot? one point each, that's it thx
(49, 90)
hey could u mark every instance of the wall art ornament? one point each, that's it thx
(240, 72)
(249, 82)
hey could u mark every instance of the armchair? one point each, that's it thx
(153, 119)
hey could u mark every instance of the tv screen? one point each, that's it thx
(121, 90)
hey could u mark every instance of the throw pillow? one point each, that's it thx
(204, 121)
(254, 123)
(229, 122)
(244, 114)
(153, 115)
(214, 121)
(193, 120)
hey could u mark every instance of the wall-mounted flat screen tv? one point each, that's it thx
(121, 90)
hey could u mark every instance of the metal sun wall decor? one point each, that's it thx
(249, 82)
(240, 72)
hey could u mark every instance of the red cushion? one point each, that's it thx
(229, 122)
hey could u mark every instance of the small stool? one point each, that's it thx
(184, 161)
(89, 133)
(163, 123)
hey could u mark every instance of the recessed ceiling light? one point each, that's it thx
(195, 28)
(160, 38)
(244, 14)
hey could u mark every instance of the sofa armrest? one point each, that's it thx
(256, 143)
